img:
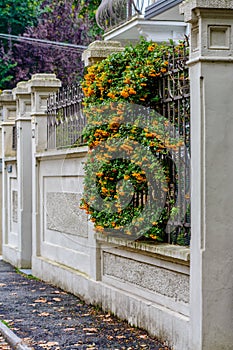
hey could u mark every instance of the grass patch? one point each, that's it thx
(5, 323)
(29, 277)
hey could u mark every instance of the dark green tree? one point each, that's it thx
(5, 70)
(87, 12)
(16, 15)
(69, 21)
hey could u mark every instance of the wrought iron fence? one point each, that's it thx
(174, 104)
(65, 120)
(114, 12)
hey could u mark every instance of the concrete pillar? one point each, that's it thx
(211, 76)
(24, 173)
(8, 115)
(99, 50)
(40, 87)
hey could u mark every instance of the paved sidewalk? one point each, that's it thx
(45, 317)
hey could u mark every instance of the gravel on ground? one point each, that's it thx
(3, 344)
(46, 317)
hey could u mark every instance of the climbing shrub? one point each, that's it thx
(130, 173)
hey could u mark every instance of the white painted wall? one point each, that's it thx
(63, 232)
(149, 288)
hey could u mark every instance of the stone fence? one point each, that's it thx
(43, 227)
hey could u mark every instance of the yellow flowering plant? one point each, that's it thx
(130, 173)
(131, 75)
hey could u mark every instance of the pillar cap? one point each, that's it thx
(21, 88)
(187, 7)
(99, 50)
(6, 95)
(44, 80)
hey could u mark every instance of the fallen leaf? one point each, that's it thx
(120, 337)
(40, 301)
(143, 336)
(27, 339)
(52, 343)
(93, 330)
(49, 344)
(56, 299)
(44, 314)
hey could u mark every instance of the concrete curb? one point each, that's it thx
(12, 338)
